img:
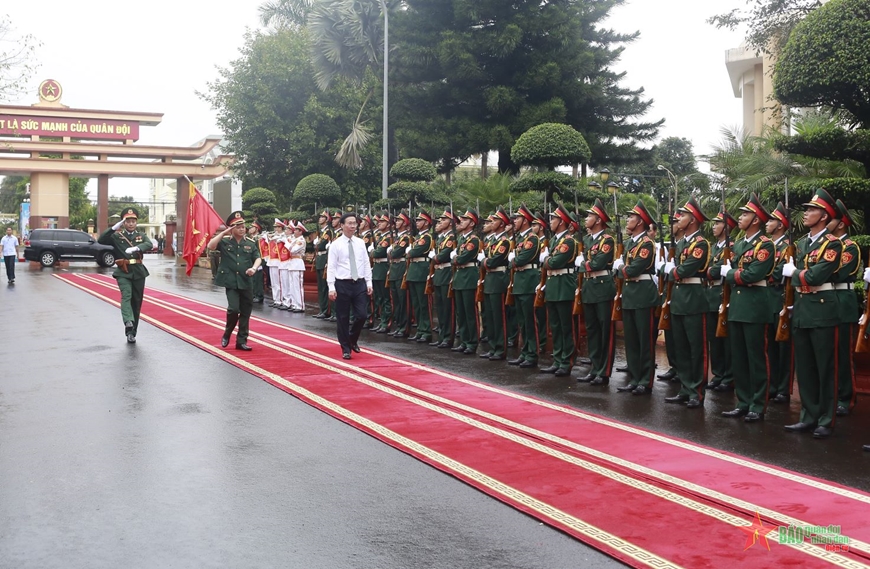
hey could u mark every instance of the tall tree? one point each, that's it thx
(17, 62)
(496, 69)
(769, 22)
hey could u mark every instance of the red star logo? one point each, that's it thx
(756, 532)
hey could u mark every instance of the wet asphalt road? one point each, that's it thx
(160, 455)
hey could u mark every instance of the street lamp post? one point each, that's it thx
(673, 180)
(385, 156)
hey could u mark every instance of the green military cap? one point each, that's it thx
(598, 209)
(823, 200)
(641, 211)
(235, 218)
(844, 214)
(693, 209)
(781, 214)
(130, 212)
(754, 206)
(726, 218)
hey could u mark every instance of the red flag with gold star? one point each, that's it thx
(202, 222)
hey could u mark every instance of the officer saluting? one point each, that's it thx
(240, 259)
(129, 245)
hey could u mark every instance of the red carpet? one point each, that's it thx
(647, 499)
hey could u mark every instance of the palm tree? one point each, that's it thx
(280, 13)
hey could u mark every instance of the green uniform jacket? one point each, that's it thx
(816, 265)
(380, 268)
(497, 256)
(322, 257)
(527, 254)
(418, 271)
(753, 263)
(236, 258)
(466, 252)
(775, 289)
(714, 273)
(640, 259)
(121, 241)
(599, 257)
(398, 261)
(445, 245)
(693, 256)
(850, 265)
(563, 286)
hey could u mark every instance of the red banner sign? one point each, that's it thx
(81, 129)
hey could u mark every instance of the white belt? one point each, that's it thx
(843, 286)
(319, 253)
(467, 265)
(690, 280)
(759, 283)
(498, 270)
(717, 282)
(556, 272)
(815, 289)
(397, 260)
(381, 260)
(419, 259)
(526, 267)
(644, 277)
(598, 274)
(442, 266)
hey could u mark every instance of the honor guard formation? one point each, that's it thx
(747, 316)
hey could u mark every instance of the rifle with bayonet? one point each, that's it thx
(478, 294)
(661, 283)
(577, 309)
(665, 316)
(540, 297)
(722, 319)
(450, 292)
(412, 230)
(616, 314)
(783, 326)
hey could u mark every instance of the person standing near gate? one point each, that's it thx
(9, 245)
(349, 278)
(240, 259)
(129, 244)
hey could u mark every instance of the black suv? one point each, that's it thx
(49, 245)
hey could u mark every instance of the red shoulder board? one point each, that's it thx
(765, 238)
(830, 255)
(849, 242)
(699, 238)
(763, 254)
(830, 237)
(697, 253)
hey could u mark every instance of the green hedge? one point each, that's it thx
(550, 145)
(413, 170)
(318, 188)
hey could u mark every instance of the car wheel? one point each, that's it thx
(48, 258)
(107, 259)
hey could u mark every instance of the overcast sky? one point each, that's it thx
(153, 56)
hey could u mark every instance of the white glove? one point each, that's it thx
(539, 288)
(544, 254)
(260, 268)
(511, 256)
(867, 275)
(581, 258)
(618, 264)
(390, 248)
(431, 254)
(726, 266)
(659, 264)
(371, 248)
(316, 240)
(327, 245)
(480, 257)
(861, 320)
(130, 250)
(452, 254)
(117, 226)
(655, 280)
(788, 269)
(669, 266)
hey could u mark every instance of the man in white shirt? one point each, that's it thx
(349, 278)
(9, 244)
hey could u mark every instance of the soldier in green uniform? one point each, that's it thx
(748, 323)
(510, 312)
(676, 239)
(526, 275)
(366, 233)
(689, 306)
(816, 316)
(495, 285)
(720, 348)
(445, 245)
(465, 278)
(779, 354)
(321, 248)
(398, 265)
(844, 281)
(254, 233)
(380, 271)
(640, 296)
(486, 239)
(598, 292)
(130, 273)
(417, 275)
(539, 228)
(240, 259)
(559, 292)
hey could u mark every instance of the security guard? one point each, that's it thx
(720, 348)
(398, 265)
(465, 278)
(689, 306)
(640, 296)
(525, 276)
(418, 274)
(559, 292)
(816, 317)
(748, 323)
(599, 291)
(240, 259)
(444, 247)
(321, 248)
(380, 270)
(850, 312)
(129, 244)
(495, 285)
(779, 354)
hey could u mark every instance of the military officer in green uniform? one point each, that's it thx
(720, 348)
(495, 284)
(526, 275)
(640, 296)
(465, 276)
(559, 292)
(748, 323)
(539, 227)
(240, 259)
(366, 233)
(486, 240)
(445, 245)
(321, 248)
(418, 274)
(816, 316)
(254, 233)
(130, 273)
(398, 265)
(669, 254)
(779, 354)
(380, 269)
(598, 292)
(850, 312)
(689, 306)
